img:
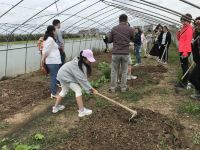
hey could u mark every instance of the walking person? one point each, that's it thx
(59, 40)
(194, 77)
(73, 75)
(121, 35)
(137, 45)
(185, 36)
(51, 57)
(149, 41)
(164, 44)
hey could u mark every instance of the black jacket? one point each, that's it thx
(138, 40)
(196, 49)
(168, 39)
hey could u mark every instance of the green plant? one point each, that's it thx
(27, 147)
(102, 66)
(39, 137)
(131, 96)
(190, 108)
(4, 147)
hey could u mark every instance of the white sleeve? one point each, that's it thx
(48, 46)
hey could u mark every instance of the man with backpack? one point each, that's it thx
(59, 39)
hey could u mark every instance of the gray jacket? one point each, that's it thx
(59, 38)
(71, 73)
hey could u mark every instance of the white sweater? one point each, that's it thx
(52, 51)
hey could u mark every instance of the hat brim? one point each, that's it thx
(91, 60)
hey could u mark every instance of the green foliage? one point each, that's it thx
(27, 147)
(39, 137)
(102, 66)
(4, 147)
(131, 96)
(190, 108)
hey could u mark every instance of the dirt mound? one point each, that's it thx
(110, 129)
(147, 75)
(18, 93)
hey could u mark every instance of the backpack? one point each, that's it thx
(40, 44)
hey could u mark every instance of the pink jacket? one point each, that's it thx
(184, 37)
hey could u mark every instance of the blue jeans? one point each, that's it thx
(138, 53)
(53, 71)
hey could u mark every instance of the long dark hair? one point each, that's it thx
(139, 30)
(81, 62)
(49, 32)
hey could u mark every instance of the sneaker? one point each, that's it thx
(136, 64)
(53, 96)
(133, 77)
(189, 86)
(195, 96)
(124, 90)
(58, 108)
(129, 77)
(59, 85)
(85, 112)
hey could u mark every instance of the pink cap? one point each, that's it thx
(89, 55)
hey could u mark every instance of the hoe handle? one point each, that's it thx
(133, 112)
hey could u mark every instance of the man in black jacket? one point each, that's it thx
(195, 74)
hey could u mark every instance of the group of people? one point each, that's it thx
(161, 43)
(189, 44)
(74, 74)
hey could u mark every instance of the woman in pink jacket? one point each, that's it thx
(184, 36)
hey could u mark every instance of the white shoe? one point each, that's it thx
(85, 112)
(53, 96)
(136, 65)
(133, 77)
(58, 108)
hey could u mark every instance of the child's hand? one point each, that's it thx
(94, 91)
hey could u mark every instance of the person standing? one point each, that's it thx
(149, 40)
(155, 49)
(137, 45)
(121, 35)
(194, 77)
(144, 44)
(51, 57)
(164, 44)
(59, 40)
(185, 36)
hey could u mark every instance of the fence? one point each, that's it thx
(16, 59)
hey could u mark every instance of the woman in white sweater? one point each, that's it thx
(51, 57)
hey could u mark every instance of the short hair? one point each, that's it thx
(56, 22)
(166, 28)
(197, 18)
(123, 18)
(187, 18)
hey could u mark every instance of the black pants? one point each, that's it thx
(163, 53)
(185, 67)
(195, 77)
(63, 56)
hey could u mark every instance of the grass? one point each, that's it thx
(131, 96)
(190, 108)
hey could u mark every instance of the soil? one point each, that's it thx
(110, 128)
(15, 94)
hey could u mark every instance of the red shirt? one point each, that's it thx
(185, 36)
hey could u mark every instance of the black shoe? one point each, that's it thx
(195, 96)
(180, 85)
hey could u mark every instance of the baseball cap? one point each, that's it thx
(89, 55)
